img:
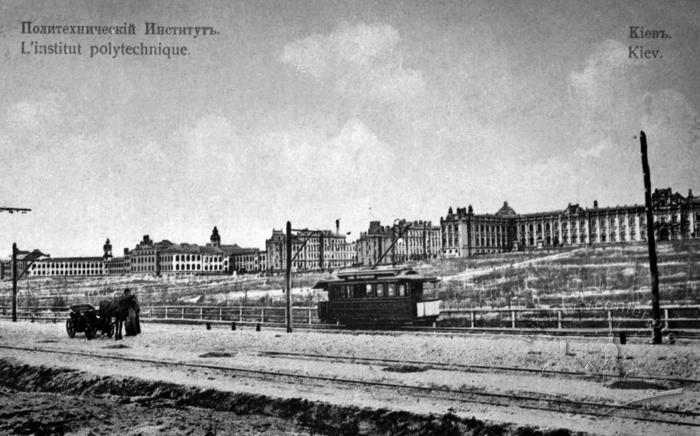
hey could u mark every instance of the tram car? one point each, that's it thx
(378, 297)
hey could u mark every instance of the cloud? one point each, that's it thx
(354, 158)
(599, 80)
(616, 97)
(361, 61)
(211, 136)
(595, 151)
(672, 126)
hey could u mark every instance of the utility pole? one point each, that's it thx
(288, 278)
(14, 282)
(14, 260)
(28, 259)
(653, 267)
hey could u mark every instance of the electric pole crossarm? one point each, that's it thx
(14, 209)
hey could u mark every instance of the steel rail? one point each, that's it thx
(476, 368)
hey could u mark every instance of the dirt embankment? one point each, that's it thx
(161, 399)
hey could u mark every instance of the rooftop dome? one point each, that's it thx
(506, 210)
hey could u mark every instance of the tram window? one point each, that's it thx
(369, 290)
(358, 291)
(381, 290)
(391, 290)
(402, 290)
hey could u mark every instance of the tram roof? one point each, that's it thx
(376, 275)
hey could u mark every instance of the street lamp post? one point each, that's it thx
(30, 257)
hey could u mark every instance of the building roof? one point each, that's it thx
(235, 249)
(192, 249)
(72, 259)
(506, 210)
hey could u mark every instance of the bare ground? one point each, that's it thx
(246, 349)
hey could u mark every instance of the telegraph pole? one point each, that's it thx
(288, 277)
(653, 267)
(14, 261)
(14, 282)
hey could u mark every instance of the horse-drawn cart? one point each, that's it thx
(83, 318)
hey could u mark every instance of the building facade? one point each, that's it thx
(313, 250)
(67, 266)
(414, 240)
(247, 260)
(465, 233)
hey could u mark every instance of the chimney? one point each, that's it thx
(690, 193)
(595, 204)
(337, 226)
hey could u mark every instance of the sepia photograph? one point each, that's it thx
(360, 217)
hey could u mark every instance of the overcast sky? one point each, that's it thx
(312, 111)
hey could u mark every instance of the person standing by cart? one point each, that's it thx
(132, 326)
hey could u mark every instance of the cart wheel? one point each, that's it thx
(90, 332)
(70, 328)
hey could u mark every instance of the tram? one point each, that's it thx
(378, 297)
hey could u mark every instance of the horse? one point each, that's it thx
(119, 309)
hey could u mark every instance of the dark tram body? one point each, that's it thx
(380, 297)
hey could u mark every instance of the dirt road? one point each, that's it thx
(290, 389)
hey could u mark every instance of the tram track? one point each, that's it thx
(535, 401)
(481, 368)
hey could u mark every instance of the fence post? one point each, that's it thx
(558, 319)
(262, 315)
(166, 312)
(666, 318)
(610, 320)
(309, 316)
(182, 312)
(240, 313)
(220, 318)
(201, 313)
(512, 319)
(471, 313)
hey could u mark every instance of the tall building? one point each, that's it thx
(314, 250)
(418, 240)
(465, 233)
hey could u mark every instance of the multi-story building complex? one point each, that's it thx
(414, 240)
(68, 266)
(465, 233)
(314, 249)
(145, 257)
(192, 259)
(176, 259)
(148, 257)
(245, 260)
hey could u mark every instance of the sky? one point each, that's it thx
(312, 111)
